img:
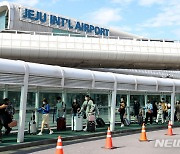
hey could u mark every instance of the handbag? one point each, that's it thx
(13, 124)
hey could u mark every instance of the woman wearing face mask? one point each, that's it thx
(45, 116)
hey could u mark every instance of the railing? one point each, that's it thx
(89, 36)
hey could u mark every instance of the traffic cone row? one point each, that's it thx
(59, 147)
(108, 144)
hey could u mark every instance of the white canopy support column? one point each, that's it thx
(22, 108)
(109, 107)
(172, 104)
(5, 92)
(36, 107)
(128, 107)
(145, 98)
(64, 99)
(113, 105)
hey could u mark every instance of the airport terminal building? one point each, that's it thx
(29, 36)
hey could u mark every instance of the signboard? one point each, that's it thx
(54, 21)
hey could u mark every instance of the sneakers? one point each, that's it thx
(51, 132)
(39, 134)
(122, 125)
(85, 129)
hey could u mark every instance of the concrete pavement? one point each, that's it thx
(125, 144)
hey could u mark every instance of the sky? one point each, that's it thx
(156, 19)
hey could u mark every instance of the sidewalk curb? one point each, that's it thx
(72, 138)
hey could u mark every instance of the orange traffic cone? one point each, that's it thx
(108, 144)
(143, 136)
(59, 148)
(170, 132)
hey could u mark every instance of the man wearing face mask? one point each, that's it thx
(60, 108)
(86, 107)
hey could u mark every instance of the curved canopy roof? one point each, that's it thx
(54, 76)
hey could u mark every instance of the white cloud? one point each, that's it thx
(140, 2)
(105, 16)
(122, 28)
(122, 1)
(151, 2)
(169, 16)
(26, 2)
(176, 32)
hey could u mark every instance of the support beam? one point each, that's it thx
(64, 99)
(36, 107)
(5, 92)
(172, 105)
(109, 105)
(22, 108)
(113, 111)
(128, 107)
(113, 105)
(146, 99)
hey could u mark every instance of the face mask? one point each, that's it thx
(44, 103)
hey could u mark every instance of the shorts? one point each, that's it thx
(45, 118)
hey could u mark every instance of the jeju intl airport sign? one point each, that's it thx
(54, 21)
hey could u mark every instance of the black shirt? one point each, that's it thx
(75, 107)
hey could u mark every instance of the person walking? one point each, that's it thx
(122, 111)
(160, 113)
(136, 109)
(178, 110)
(60, 108)
(6, 118)
(149, 112)
(86, 108)
(45, 116)
(164, 108)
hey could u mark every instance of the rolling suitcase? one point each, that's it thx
(32, 125)
(77, 123)
(126, 122)
(100, 122)
(140, 120)
(61, 124)
(91, 126)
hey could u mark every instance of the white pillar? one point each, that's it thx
(109, 105)
(172, 105)
(146, 99)
(113, 111)
(64, 99)
(113, 105)
(22, 108)
(128, 107)
(5, 92)
(36, 107)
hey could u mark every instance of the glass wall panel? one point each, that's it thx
(102, 102)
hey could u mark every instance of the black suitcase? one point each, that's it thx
(91, 126)
(100, 122)
(61, 124)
